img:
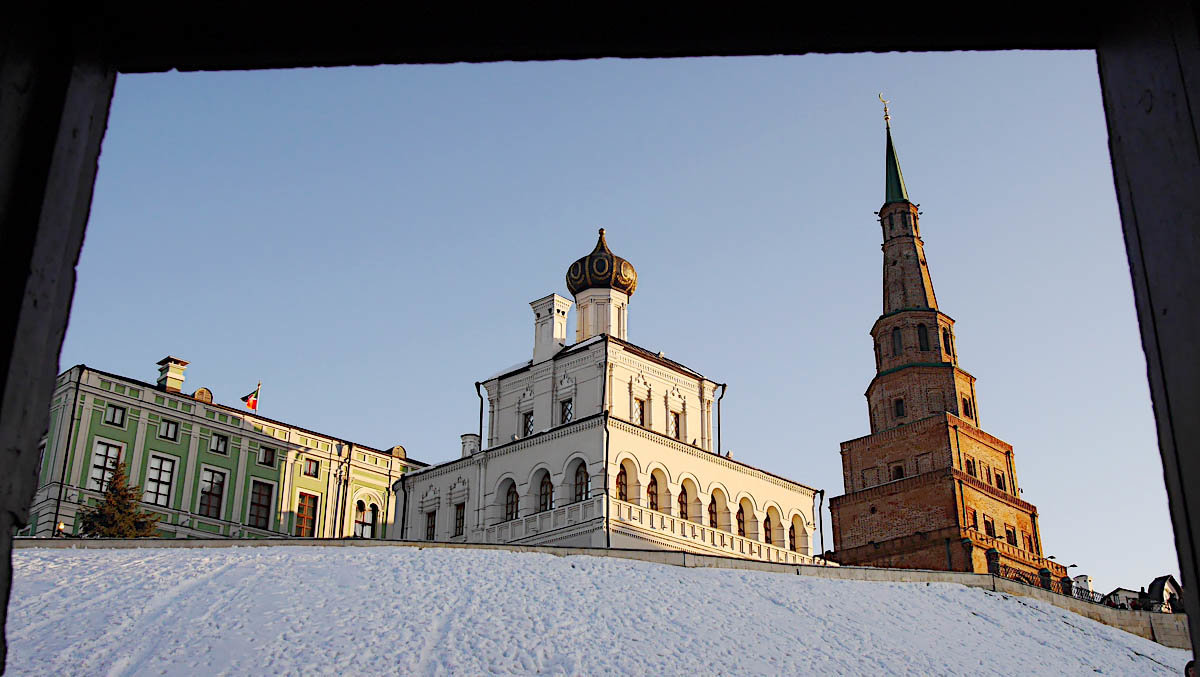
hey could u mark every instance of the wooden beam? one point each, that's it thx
(1150, 79)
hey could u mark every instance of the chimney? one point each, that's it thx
(549, 326)
(170, 373)
(470, 444)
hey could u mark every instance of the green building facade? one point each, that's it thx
(207, 470)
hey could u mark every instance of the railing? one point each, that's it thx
(1067, 587)
(700, 538)
(547, 520)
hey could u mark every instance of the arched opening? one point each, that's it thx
(747, 524)
(506, 505)
(579, 485)
(372, 520)
(690, 507)
(773, 527)
(718, 511)
(545, 493)
(622, 485)
(658, 495)
(897, 342)
(682, 500)
(360, 519)
(627, 487)
(922, 337)
(799, 536)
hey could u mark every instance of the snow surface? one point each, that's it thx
(400, 610)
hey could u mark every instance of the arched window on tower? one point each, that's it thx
(966, 407)
(897, 342)
(510, 503)
(360, 519)
(946, 341)
(622, 486)
(581, 483)
(792, 538)
(712, 513)
(922, 337)
(652, 492)
(545, 493)
(683, 503)
(741, 521)
(767, 531)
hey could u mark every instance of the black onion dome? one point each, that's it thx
(601, 270)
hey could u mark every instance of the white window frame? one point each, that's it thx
(162, 421)
(274, 456)
(111, 407)
(224, 491)
(304, 468)
(273, 512)
(170, 486)
(212, 444)
(92, 459)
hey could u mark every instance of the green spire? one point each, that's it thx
(895, 190)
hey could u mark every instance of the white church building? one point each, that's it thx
(602, 443)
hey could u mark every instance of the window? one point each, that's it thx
(897, 342)
(159, 473)
(683, 512)
(104, 460)
(652, 493)
(792, 538)
(545, 493)
(639, 412)
(212, 489)
(566, 411)
(266, 456)
(115, 416)
(922, 337)
(673, 427)
(260, 504)
(460, 518)
(430, 525)
(1010, 535)
(898, 406)
(218, 444)
(1025, 538)
(988, 472)
(946, 341)
(898, 472)
(312, 467)
(989, 527)
(973, 518)
(581, 483)
(510, 503)
(306, 515)
(527, 424)
(767, 531)
(362, 528)
(168, 429)
(971, 467)
(741, 521)
(966, 407)
(878, 359)
(712, 513)
(1001, 484)
(622, 486)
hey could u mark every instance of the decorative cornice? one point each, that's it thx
(995, 493)
(893, 487)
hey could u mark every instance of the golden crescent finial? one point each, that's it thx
(886, 117)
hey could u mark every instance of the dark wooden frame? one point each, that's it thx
(59, 63)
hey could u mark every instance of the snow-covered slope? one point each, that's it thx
(383, 610)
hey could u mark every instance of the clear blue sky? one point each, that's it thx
(365, 241)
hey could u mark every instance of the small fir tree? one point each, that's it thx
(118, 516)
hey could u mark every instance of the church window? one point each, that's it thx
(899, 407)
(683, 512)
(527, 424)
(767, 531)
(510, 503)
(460, 518)
(1001, 484)
(1010, 535)
(306, 515)
(971, 467)
(923, 337)
(897, 342)
(581, 483)
(566, 410)
(652, 493)
(712, 513)
(545, 493)
(989, 527)
(639, 412)
(741, 521)
(673, 425)
(430, 525)
(898, 472)
(792, 538)
(622, 486)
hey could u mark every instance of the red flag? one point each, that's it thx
(251, 400)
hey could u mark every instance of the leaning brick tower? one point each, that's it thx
(928, 488)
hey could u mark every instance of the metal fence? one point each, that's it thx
(1068, 588)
